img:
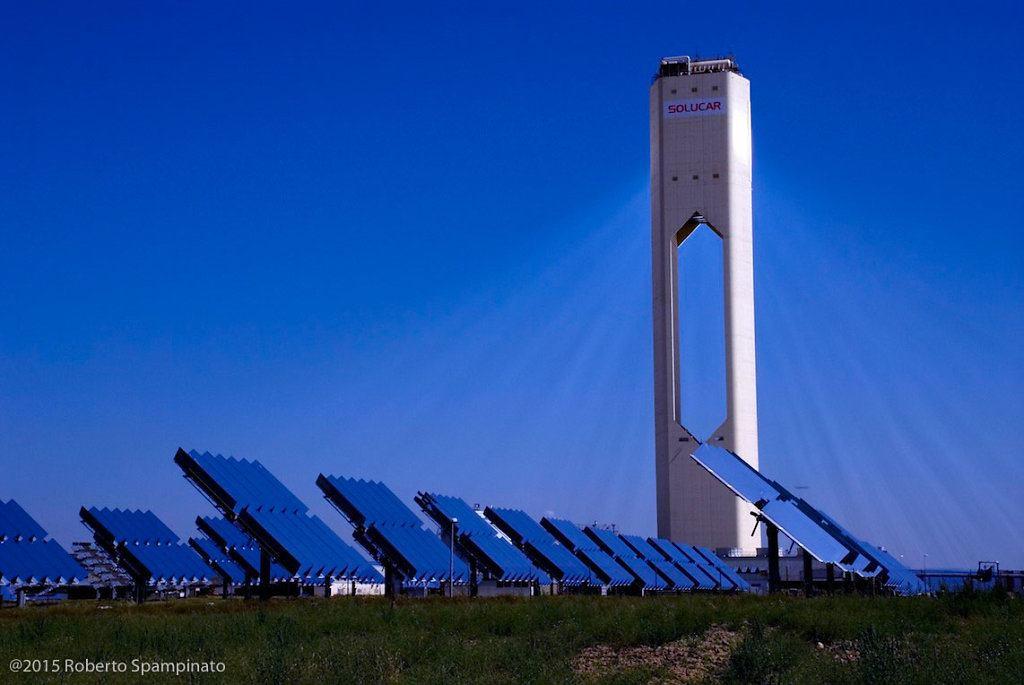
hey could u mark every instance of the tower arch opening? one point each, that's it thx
(701, 301)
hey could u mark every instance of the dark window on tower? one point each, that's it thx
(695, 177)
(693, 90)
(714, 87)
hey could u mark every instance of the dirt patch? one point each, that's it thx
(845, 651)
(690, 659)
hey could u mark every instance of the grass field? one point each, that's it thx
(969, 637)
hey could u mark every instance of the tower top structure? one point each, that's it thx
(684, 66)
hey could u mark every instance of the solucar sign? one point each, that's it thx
(694, 108)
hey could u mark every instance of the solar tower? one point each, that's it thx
(700, 175)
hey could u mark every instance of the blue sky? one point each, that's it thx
(412, 244)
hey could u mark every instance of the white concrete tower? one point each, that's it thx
(700, 174)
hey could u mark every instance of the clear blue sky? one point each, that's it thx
(412, 244)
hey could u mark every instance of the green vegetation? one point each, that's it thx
(969, 637)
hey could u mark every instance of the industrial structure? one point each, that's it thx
(701, 175)
(708, 486)
(30, 561)
(265, 541)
